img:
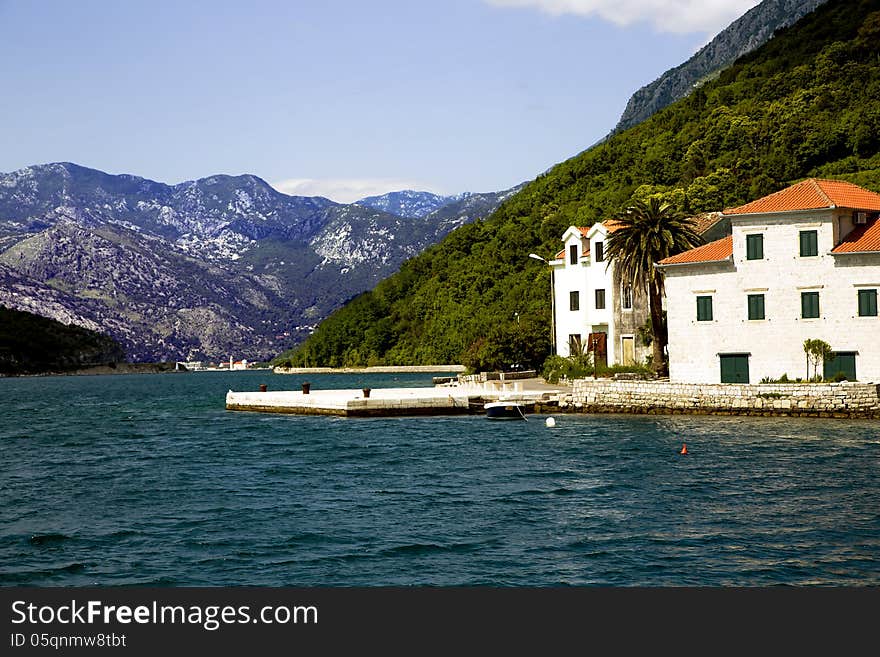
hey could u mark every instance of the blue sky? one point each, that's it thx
(333, 97)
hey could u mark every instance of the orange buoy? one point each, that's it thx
(684, 448)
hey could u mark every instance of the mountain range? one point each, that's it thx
(206, 269)
(748, 32)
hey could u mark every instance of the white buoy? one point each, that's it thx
(550, 422)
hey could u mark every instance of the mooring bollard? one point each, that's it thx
(263, 387)
(306, 387)
(366, 392)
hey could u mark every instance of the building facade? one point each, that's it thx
(595, 311)
(800, 264)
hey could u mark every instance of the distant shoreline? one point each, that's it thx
(379, 369)
(96, 370)
(166, 368)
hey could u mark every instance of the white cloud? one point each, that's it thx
(678, 16)
(346, 190)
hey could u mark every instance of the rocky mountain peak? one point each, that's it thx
(751, 30)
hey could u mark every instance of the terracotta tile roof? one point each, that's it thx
(611, 225)
(703, 222)
(813, 194)
(711, 252)
(863, 238)
(584, 254)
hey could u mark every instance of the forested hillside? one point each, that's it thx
(804, 104)
(30, 344)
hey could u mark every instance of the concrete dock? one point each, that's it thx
(443, 399)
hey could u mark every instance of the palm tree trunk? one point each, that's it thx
(657, 329)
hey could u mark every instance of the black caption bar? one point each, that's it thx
(131, 620)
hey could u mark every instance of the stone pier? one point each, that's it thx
(379, 402)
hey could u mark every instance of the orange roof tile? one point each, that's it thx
(703, 222)
(712, 252)
(863, 238)
(813, 194)
(611, 225)
(584, 254)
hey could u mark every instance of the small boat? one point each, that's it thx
(507, 409)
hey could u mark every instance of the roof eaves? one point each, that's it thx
(760, 214)
(836, 253)
(694, 262)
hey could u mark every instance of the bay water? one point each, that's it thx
(148, 480)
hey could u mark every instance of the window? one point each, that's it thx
(600, 252)
(574, 344)
(867, 303)
(600, 299)
(809, 243)
(756, 306)
(809, 305)
(573, 254)
(754, 247)
(574, 301)
(626, 297)
(704, 309)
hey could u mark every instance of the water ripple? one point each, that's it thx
(148, 481)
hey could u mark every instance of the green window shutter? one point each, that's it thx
(600, 299)
(574, 301)
(704, 309)
(867, 303)
(809, 243)
(734, 368)
(754, 247)
(756, 306)
(809, 305)
(841, 362)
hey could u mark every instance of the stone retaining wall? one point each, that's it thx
(483, 377)
(843, 399)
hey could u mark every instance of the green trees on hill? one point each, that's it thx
(30, 344)
(802, 105)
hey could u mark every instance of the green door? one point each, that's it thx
(734, 368)
(841, 362)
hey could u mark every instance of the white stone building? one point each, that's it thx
(594, 310)
(593, 307)
(803, 263)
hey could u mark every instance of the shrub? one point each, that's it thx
(581, 367)
(557, 367)
(782, 379)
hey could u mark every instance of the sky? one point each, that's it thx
(336, 98)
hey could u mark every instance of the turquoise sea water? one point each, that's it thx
(148, 480)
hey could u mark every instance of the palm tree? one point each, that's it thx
(650, 231)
